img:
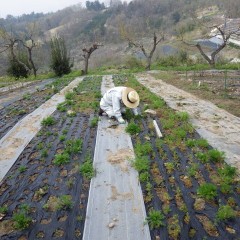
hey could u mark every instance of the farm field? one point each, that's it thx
(189, 191)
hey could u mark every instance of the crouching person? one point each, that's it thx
(115, 99)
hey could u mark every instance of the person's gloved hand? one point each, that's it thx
(121, 120)
(135, 111)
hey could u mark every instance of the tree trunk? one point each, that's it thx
(31, 61)
(86, 66)
(149, 61)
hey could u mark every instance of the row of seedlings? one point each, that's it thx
(45, 193)
(13, 112)
(189, 190)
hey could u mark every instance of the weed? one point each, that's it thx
(183, 116)
(168, 124)
(143, 149)
(133, 128)
(22, 169)
(86, 169)
(21, 220)
(69, 95)
(190, 143)
(208, 191)
(62, 138)
(202, 143)
(169, 166)
(74, 146)
(44, 153)
(27, 96)
(65, 202)
(192, 170)
(215, 155)
(225, 212)
(48, 121)
(141, 164)
(61, 159)
(62, 107)
(3, 210)
(144, 177)
(155, 219)
(94, 122)
(179, 133)
(203, 157)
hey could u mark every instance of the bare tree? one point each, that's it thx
(149, 55)
(87, 54)
(222, 31)
(30, 44)
(9, 43)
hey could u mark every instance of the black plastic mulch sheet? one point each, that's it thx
(182, 220)
(42, 182)
(13, 112)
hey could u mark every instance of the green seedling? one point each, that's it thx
(3, 210)
(141, 164)
(22, 169)
(203, 157)
(168, 124)
(86, 169)
(143, 149)
(74, 146)
(62, 138)
(169, 166)
(60, 159)
(225, 212)
(179, 133)
(208, 191)
(155, 219)
(94, 122)
(65, 202)
(48, 121)
(62, 107)
(202, 143)
(27, 96)
(215, 155)
(44, 153)
(183, 116)
(192, 170)
(144, 177)
(21, 220)
(133, 128)
(69, 95)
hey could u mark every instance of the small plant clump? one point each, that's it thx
(61, 159)
(48, 121)
(86, 169)
(225, 212)
(74, 146)
(94, 122)
(22, 169)
(65, 202)
(21, 218)
(133, 128)
(155, 218)
(208, 191)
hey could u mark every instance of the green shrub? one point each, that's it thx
(143, 149)
(48, 121)
(208, 191)
(155, 219)
(74, 146)
(225, 212)
(215, 155)
(65, 202)
(141, 164)
(86, 169)
(133, 128)
(61, 159)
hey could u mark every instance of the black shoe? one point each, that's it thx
(100, 112)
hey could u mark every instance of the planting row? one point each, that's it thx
(44, 195)
(189, 191)
(13, 112)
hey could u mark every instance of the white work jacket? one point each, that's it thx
(111, 102)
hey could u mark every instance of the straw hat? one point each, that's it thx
(130, 98)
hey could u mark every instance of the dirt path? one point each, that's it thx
(220, 128)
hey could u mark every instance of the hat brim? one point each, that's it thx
(126, 101)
